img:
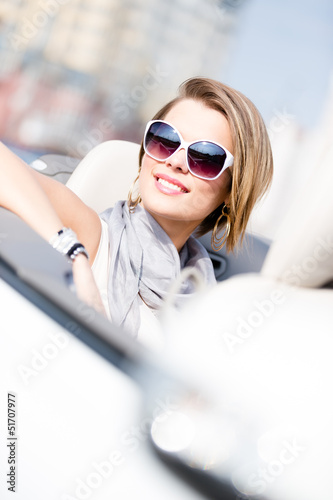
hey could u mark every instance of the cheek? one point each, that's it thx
(146, 166)
(145, 177)
(222, 189)
(212, 194)
(147, 162)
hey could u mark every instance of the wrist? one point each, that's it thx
(66, 242)
(80, 260)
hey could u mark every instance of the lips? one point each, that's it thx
(172, 182)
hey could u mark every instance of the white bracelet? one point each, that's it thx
(65, 241)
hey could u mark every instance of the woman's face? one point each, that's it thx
(184, 210)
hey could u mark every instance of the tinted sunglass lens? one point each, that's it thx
(206, 159)
(161, 140)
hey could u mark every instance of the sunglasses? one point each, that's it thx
(205, 159)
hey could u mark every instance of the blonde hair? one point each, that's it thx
(253, 164)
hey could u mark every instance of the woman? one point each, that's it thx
(209, 182)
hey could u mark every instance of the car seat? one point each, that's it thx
(105, 174)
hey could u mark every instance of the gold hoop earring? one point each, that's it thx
(217, 242)
(132, 204)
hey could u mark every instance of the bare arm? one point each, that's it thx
(47, 206)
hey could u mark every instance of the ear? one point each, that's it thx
(228, 195)
(227, 199)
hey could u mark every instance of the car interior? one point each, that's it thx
(273, 360)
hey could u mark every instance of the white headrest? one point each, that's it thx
(302, 253)
(106, 174)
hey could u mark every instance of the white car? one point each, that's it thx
(238, 405)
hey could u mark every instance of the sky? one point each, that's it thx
(282, 57)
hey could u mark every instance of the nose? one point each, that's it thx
(177, 161)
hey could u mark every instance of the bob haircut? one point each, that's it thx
(252, 171)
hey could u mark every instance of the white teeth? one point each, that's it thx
(169, 185)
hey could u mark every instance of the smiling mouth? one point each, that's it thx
(170, 185)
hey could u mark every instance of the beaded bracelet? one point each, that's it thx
(66, 242)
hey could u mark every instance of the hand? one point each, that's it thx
(86, 287)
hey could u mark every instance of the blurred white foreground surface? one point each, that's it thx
(79, 423)
(261, 352)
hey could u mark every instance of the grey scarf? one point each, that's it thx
(144, 260)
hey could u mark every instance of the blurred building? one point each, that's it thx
(100, 68)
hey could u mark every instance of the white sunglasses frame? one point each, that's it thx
(185, 145)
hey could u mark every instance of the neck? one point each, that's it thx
(178, 231)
